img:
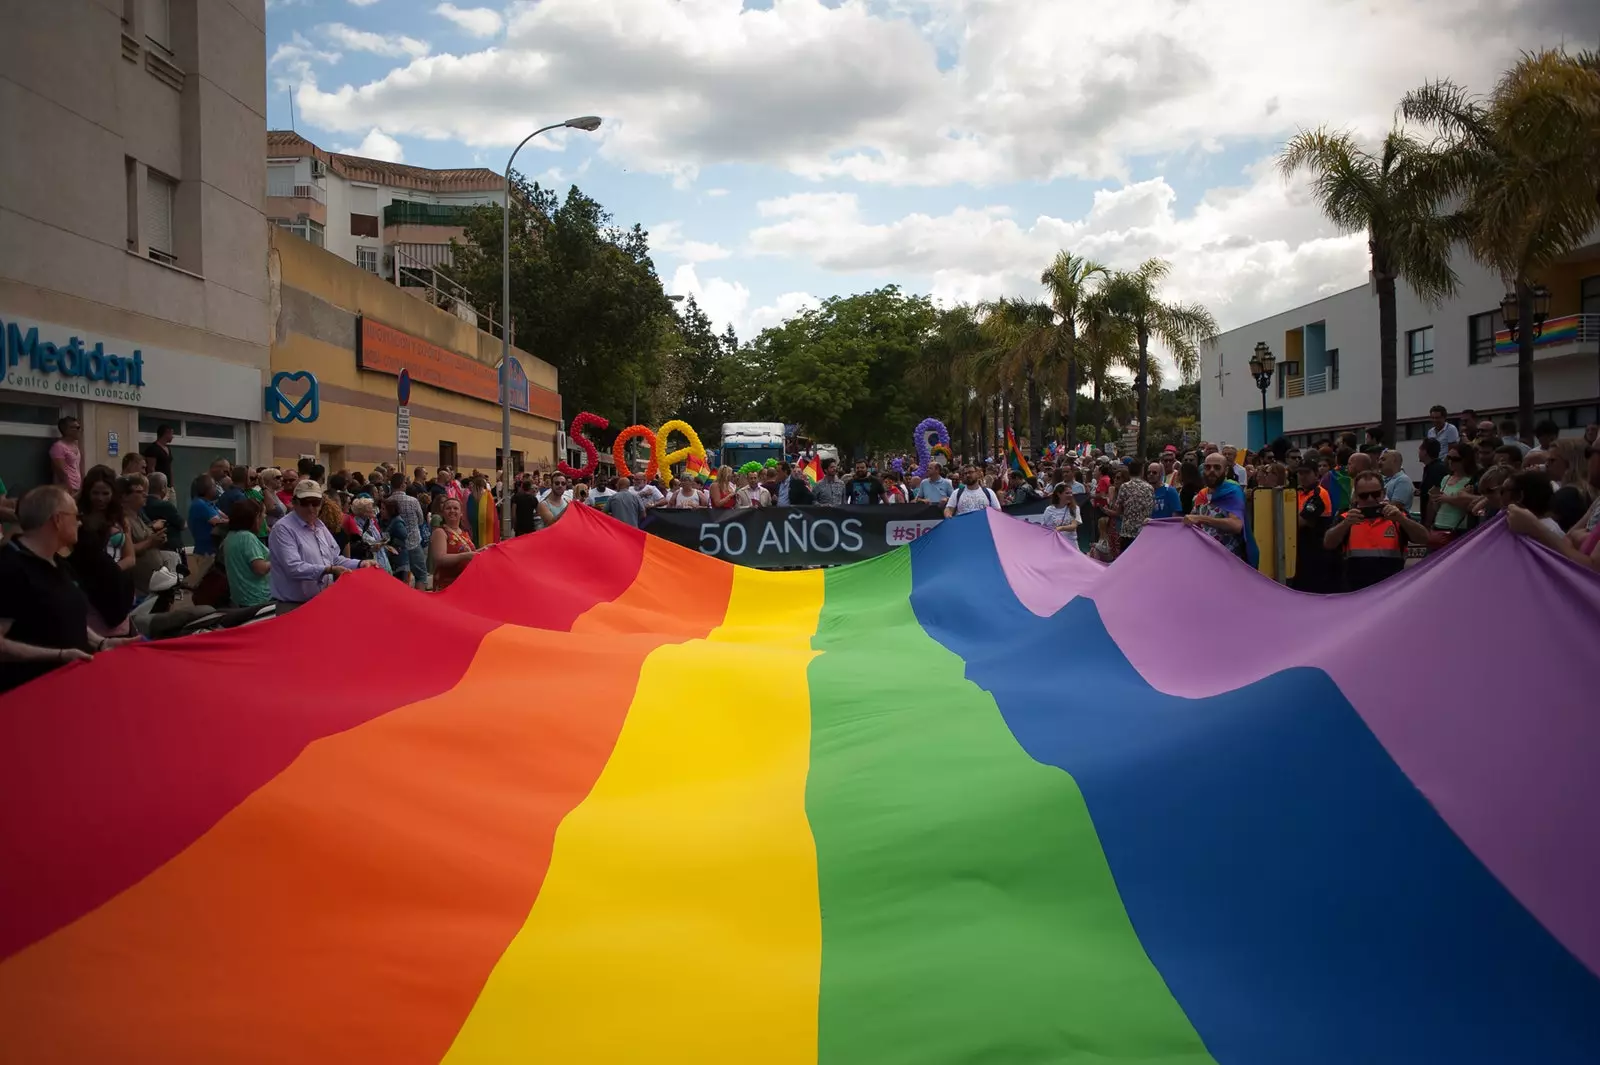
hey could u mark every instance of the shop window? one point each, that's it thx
(30, 414)
(447, 453)
(204, 430)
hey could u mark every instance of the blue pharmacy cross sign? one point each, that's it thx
(284, 408)
(403, 389)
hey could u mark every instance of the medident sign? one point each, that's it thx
(40, 364)
(67, 362)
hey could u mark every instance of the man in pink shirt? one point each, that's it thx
(66, 455)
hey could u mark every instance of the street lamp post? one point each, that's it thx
(1261, 366)
(1537, 301)
(1511, 311)
(587, 123)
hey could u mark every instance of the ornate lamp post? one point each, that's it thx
(1513, 315)
(1262, 364)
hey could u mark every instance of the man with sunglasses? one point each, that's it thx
(1373, 534)
(303, 552)
(44, 615)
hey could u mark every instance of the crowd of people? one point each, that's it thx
(83, 556)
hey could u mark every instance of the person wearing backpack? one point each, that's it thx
(972, 495)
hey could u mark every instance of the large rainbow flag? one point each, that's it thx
(979, 799)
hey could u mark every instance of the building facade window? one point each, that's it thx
(158, 23)
(303, 228)
(367, 258)
(447, 453)
(363, 225)
(1481, 329)
(1589, 295)
(280, 179)
(156, 216)
(1419, 351)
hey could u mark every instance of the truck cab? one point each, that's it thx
(744, 442)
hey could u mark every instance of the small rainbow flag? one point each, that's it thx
(1014, 453)
(696, 467)
(483, 523)
(812, 469)
(540, 841)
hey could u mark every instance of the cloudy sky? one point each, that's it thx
(785, 150)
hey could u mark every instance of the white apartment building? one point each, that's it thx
(133, 288)
(388, 218)
(1457, 354)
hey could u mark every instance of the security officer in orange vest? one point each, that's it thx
(1315, 568)
(1374, 534)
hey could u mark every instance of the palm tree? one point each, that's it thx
(1395, 197)
(947, 358)
(1106, 343)
(1524, 165)
(1135, 296)
(1019, 336)
(1068, 279)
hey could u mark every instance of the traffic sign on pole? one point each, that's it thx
(402, 430)
(403, 389)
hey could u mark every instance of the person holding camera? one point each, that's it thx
(1373, 534)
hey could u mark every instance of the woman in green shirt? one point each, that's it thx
(1454, 497)
(245, 557)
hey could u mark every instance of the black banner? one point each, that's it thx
(791, 537)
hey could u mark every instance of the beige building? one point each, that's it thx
(133, 288)
(388, 218)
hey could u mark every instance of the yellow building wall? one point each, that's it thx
(315, 298)
(1565, 280)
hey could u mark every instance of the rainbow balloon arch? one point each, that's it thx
(931, 440)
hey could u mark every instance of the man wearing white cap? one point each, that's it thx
(302, 550)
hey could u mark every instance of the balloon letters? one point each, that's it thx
(619, 450)
(929, 427)
(667, 459)
(591, 457)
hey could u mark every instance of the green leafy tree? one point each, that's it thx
(585, 296)
(1395, 197)
(703, 362)
(840, 369)
(1135, 296)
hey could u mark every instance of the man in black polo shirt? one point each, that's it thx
(44, 616)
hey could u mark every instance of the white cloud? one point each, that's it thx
(362, 3)
(294, 58)
(667, 238)
(377, 145)
(728, 302)
(1243, 251)
(392, 45)
(941, 91)
(716, 192)
(477, 21)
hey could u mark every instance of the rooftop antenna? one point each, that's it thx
(291, 110)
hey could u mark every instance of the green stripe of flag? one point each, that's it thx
(968, 913)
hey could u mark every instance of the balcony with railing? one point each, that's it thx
(1311, 384)
(1570, 336)
(286, 200)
